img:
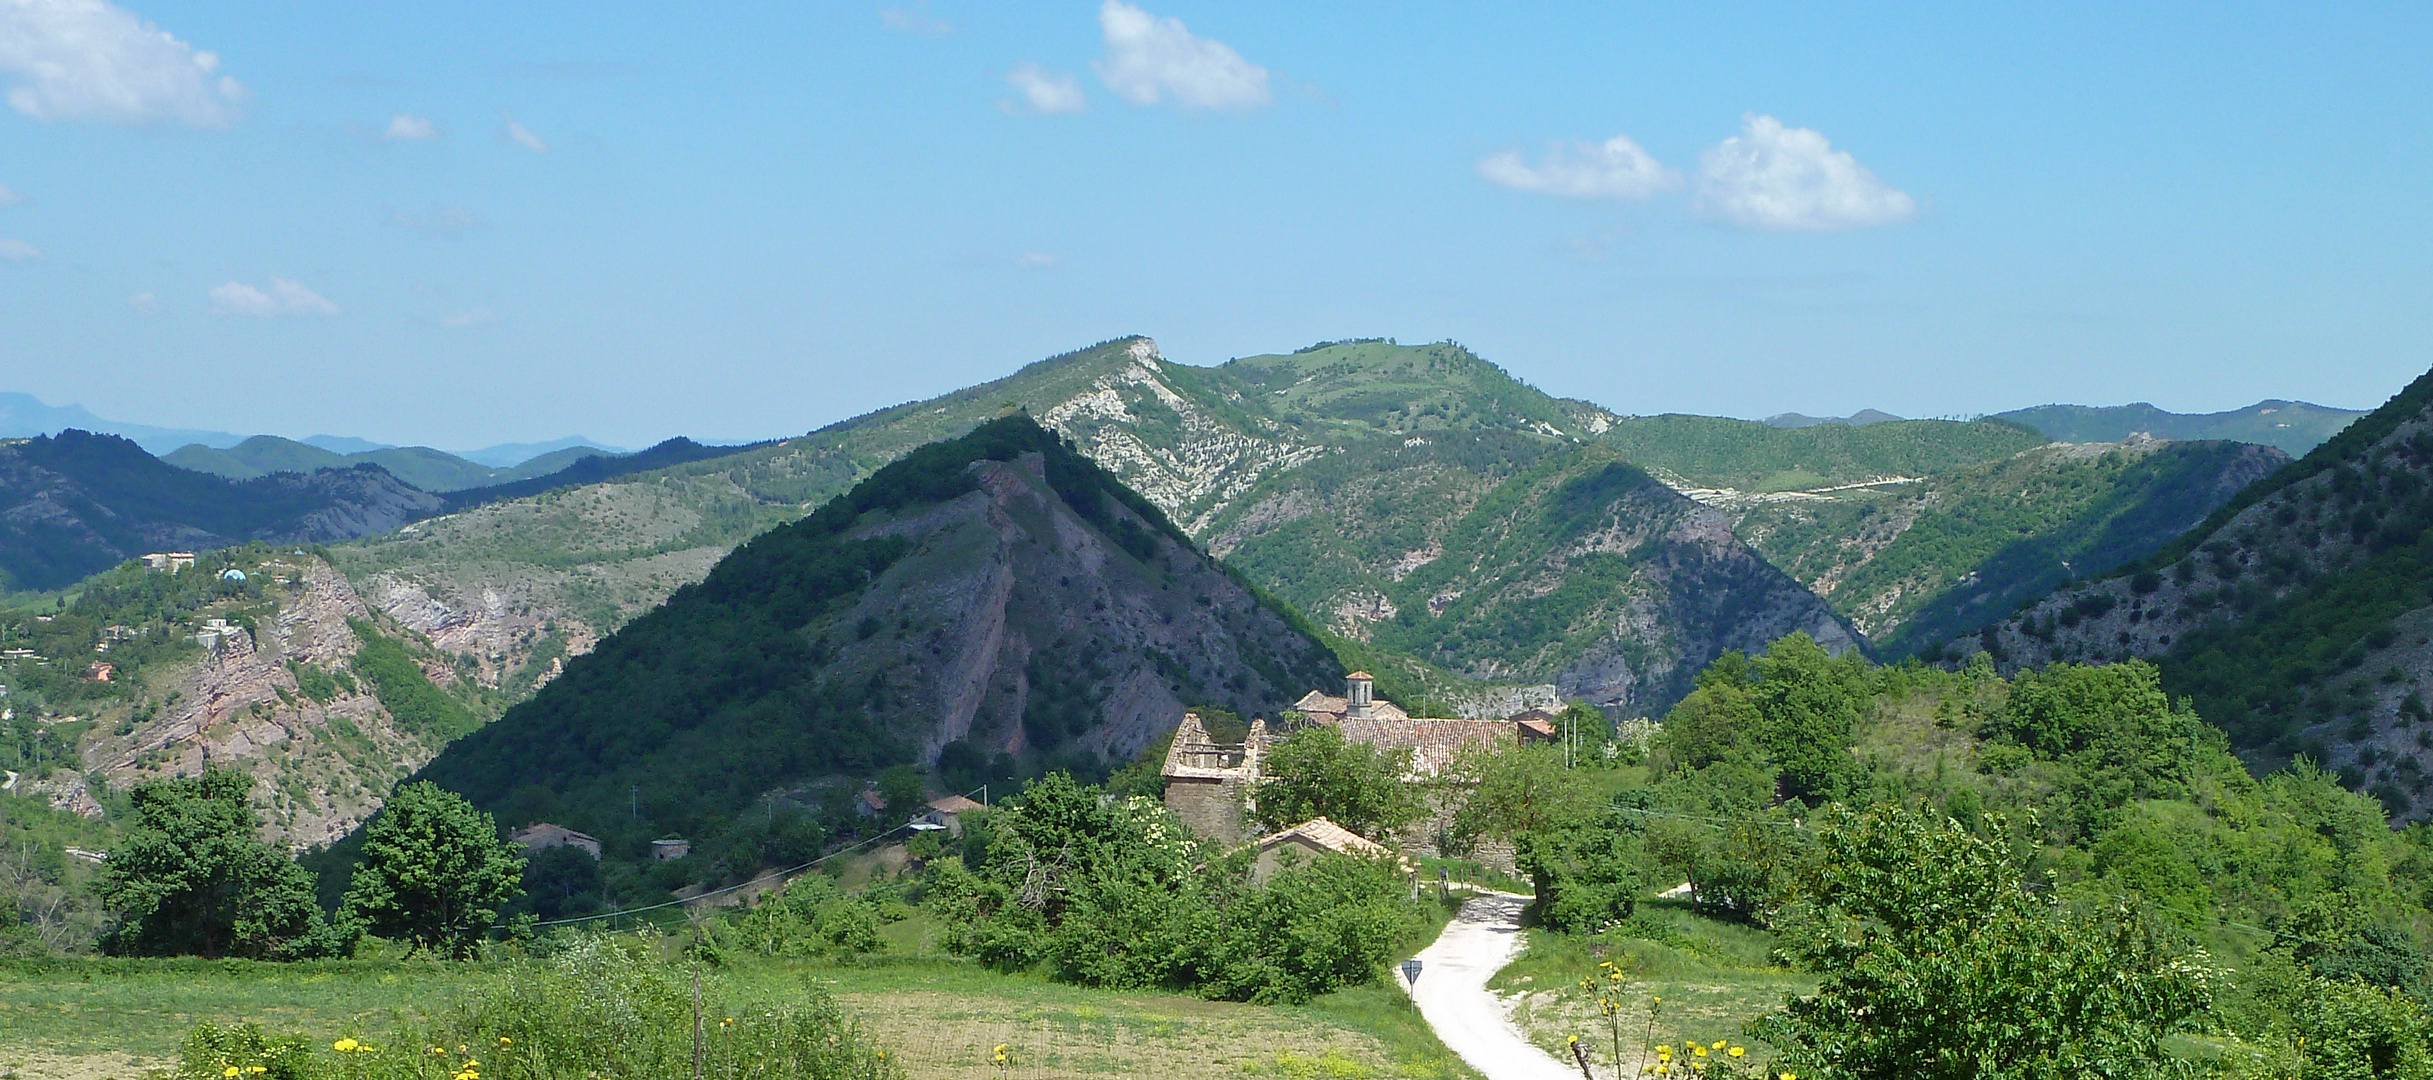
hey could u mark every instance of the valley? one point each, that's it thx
(1479, 544)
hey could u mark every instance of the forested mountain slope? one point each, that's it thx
(74, 504)
(1321, 440)
(2298, 616)
(997, 592)
(1914, 563)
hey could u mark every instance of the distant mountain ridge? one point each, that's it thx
(2295, 427)
(22, 416)
(1861, 418)
(425, 468)
(78, 503)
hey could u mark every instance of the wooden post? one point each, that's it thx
(1580, 1054)
(696, 1001)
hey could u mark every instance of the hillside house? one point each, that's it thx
(172, 561)
(1312, 838)
(670, 850)
(541, 836)
(947, 813)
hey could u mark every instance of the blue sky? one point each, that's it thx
(458, 224)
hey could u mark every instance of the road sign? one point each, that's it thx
(1410, 972)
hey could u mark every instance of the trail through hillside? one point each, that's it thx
(1452, 993)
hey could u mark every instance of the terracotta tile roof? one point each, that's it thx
(1325, 834)
(953, 804)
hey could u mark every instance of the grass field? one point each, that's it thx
(1714, 977)
(88, 1017)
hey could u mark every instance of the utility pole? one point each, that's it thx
(635, 794)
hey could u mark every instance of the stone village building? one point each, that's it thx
(1209, 784)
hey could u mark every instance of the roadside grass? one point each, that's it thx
(1714, 978)
(98, 1016)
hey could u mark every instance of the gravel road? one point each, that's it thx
(1451, 992)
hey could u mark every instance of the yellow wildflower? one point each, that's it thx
(230, 1071)
(1721, 1043)
(505, 1041)
(1698, 1050)
(344, 1046)
(1739, 1050)
(257, 1068)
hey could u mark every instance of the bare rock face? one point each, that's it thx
(1017, 590)
(320, 768)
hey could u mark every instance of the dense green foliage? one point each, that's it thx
(1939, 963)
(435, 872)
(1116, 893)
(1314, 773)
(1585, 873)
(191, 878)
(2146, 883)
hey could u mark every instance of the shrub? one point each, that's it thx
(809, 917)
(1936, 962)
(1585, 875)
(603, 1007)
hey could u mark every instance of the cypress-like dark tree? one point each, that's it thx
(434, 873)
(192, 878)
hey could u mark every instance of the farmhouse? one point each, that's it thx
(541, 836)
(1209, 785)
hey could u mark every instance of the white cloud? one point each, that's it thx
(14, 250)
(1775, 177)
(1044, 91)
(144, 303)
(523, 136)
(402, 126)
(440, 221)
(1034, 260)
(283, 298)
(480, 316)
(915, 20)
(90, 60)
(9, 196)
(1614, 169)
(1149, 59)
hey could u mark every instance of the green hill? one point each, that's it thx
(2297, 615)
(1745, 455)
(2293, 426)
(995, 596)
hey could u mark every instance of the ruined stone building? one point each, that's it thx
(1209, 784)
